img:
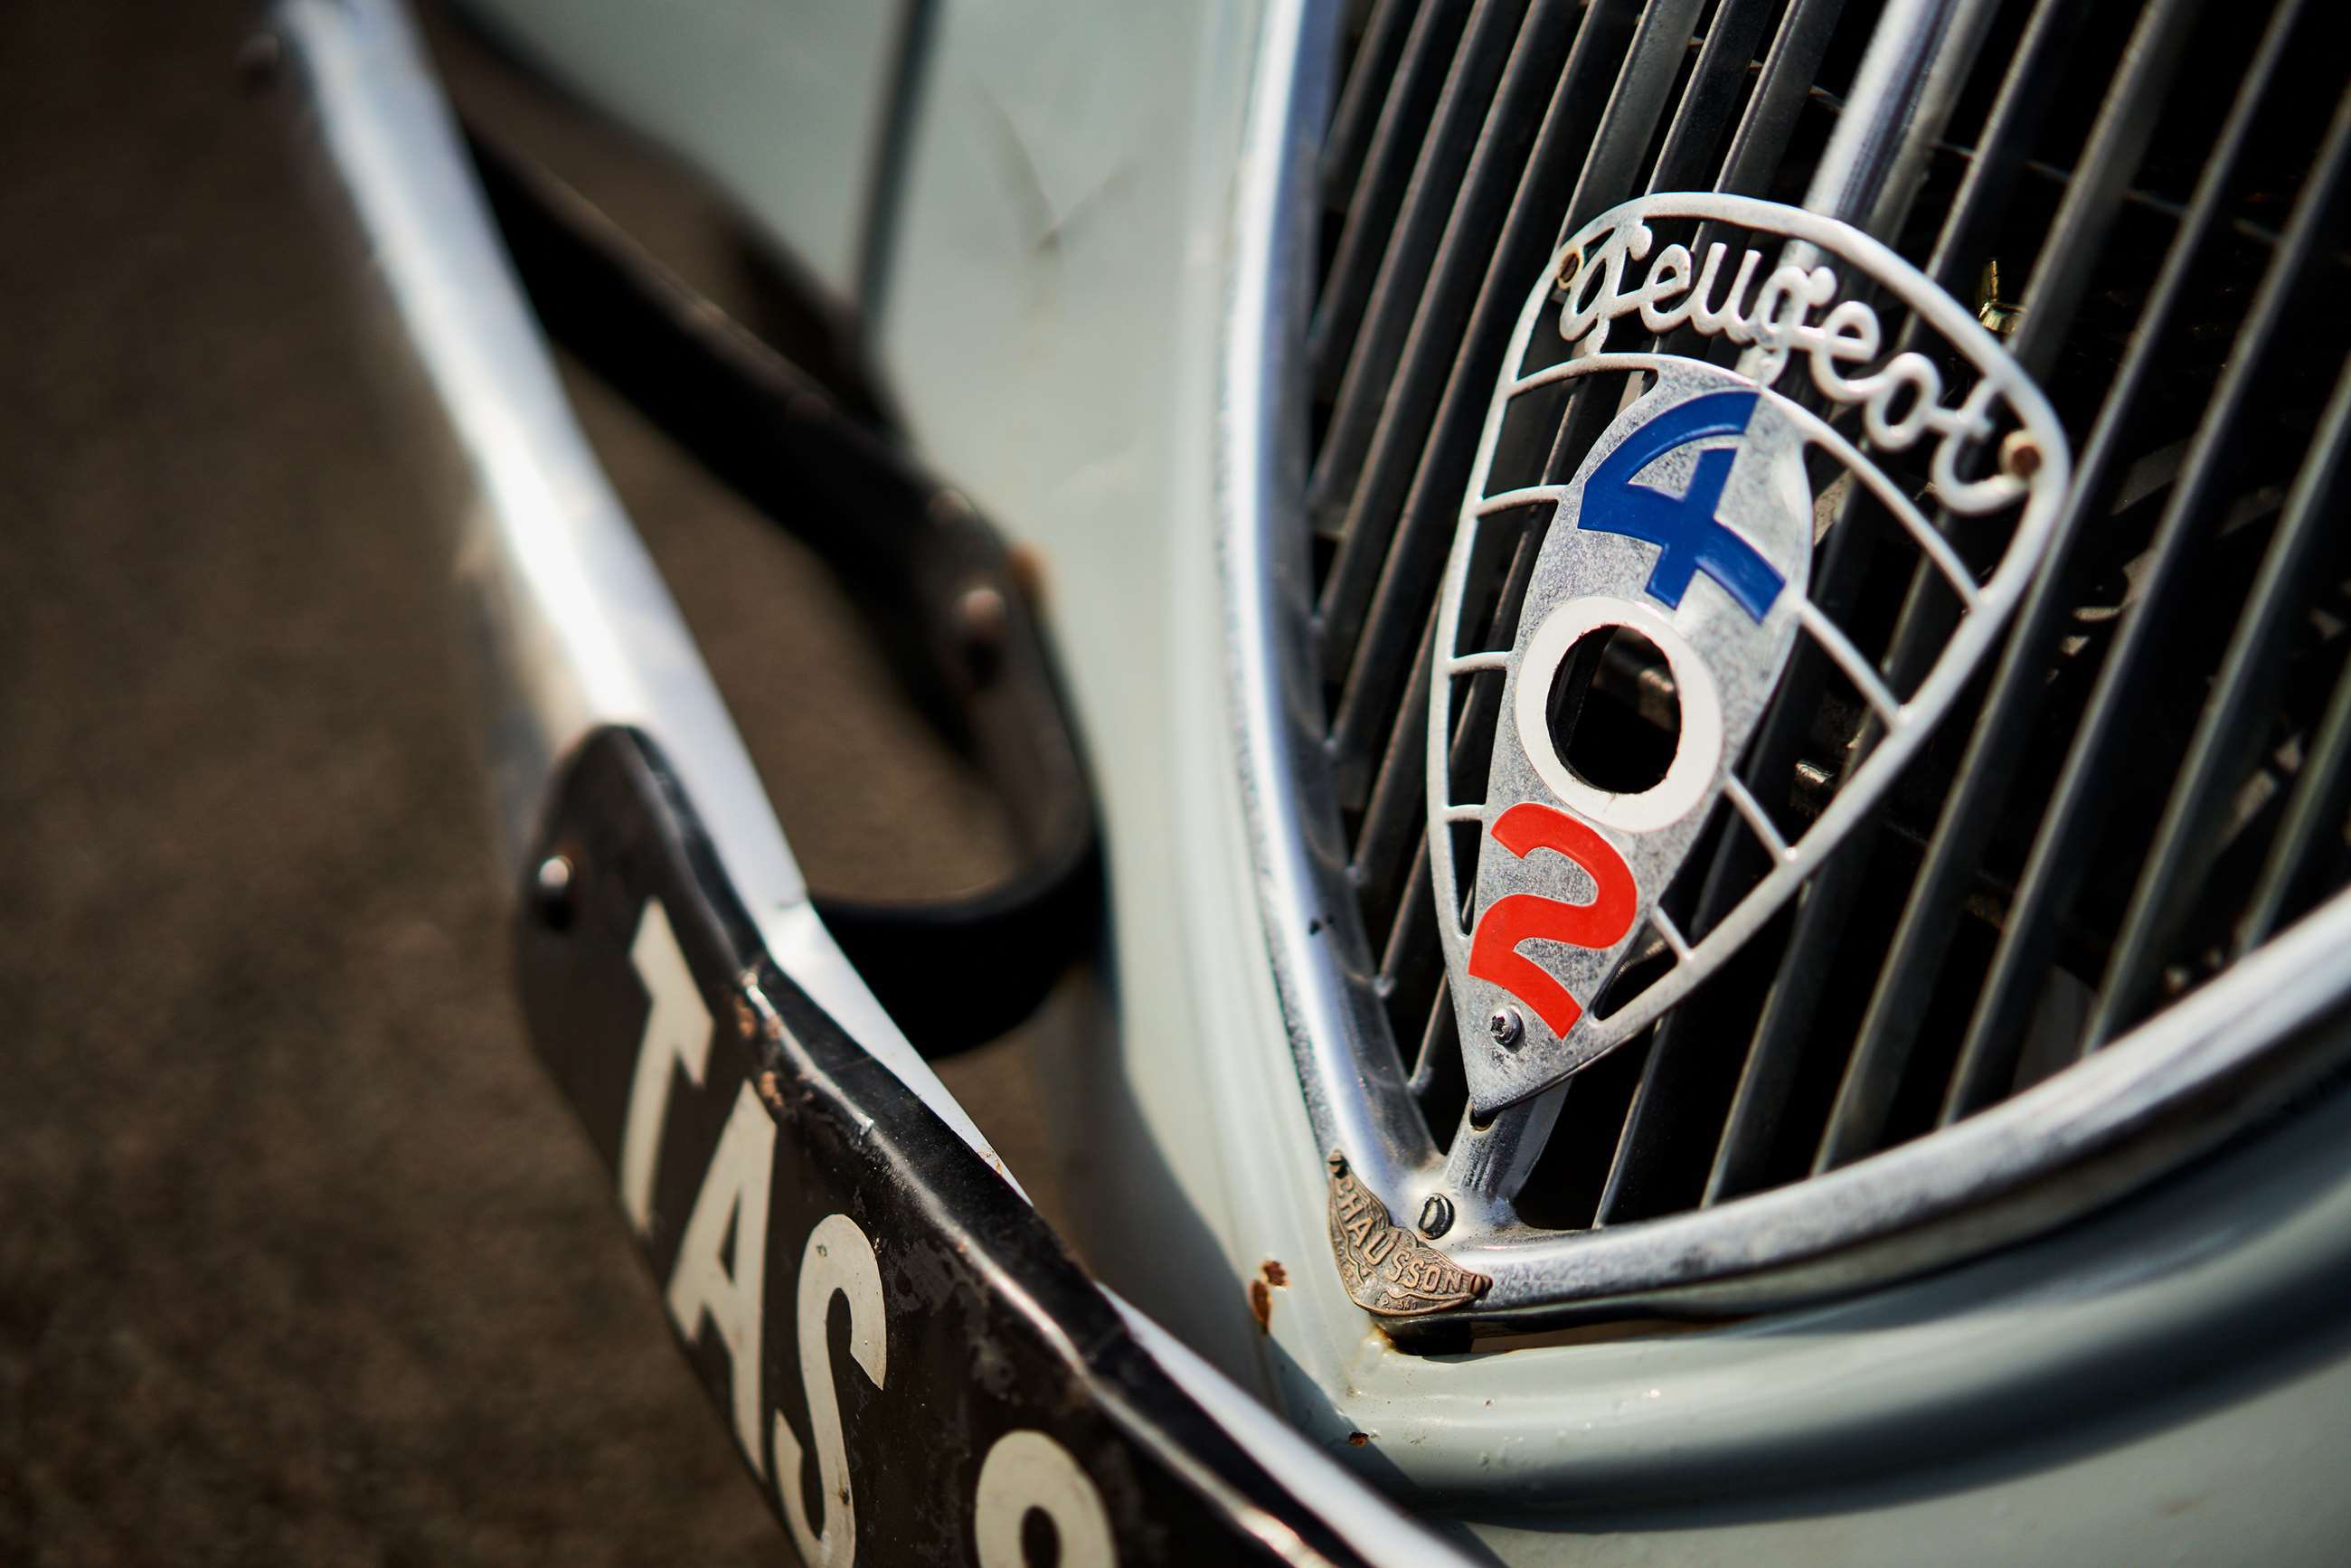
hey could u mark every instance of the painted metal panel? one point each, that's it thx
(782, 102)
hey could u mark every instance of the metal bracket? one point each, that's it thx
(943, 595)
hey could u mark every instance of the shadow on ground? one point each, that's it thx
(300, 1259)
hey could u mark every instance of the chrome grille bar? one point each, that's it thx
(2040, 135)
(1960, 836)
(2231, 736)
(1400, 139)
(1354, 344)
(1361, 100)
(2060, 272)
(1906, 87)
(2068, 833)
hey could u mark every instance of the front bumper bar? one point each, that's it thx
(777, 1143)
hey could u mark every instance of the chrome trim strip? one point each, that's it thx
(1355, 1096)
(572, 628)
(1914, 70)
(2173, 1089)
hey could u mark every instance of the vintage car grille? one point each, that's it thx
(2146, 201)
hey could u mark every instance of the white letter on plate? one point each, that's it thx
(838, 1257)
(677, 1029)
(733, 1195)
(1027, 1469)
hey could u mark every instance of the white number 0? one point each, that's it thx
(1029, 1470)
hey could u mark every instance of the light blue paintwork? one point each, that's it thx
(779, 102)
(2160, 1384)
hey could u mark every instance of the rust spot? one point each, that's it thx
(770, 1091)
(754, 1014)
(1027, 569)
(1271, 1276)
(1357, 1439)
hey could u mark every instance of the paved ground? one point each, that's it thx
(301, 1260)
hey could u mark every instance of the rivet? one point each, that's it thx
(553, 887)
(1435, 1216)
(982, 619)
(2020, 456)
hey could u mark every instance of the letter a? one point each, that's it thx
(734, 1193)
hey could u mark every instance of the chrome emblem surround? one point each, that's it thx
(1692, 522)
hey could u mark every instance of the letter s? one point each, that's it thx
(839, 1258)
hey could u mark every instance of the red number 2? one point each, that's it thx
(1523, 917)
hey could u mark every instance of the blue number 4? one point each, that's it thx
(1689, 535)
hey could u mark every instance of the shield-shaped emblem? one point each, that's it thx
(1677, 557)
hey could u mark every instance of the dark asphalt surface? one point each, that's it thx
(300, 1259)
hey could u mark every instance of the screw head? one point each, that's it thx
(983, 619)
(1435, 1216)
(553, 886)
(1506, 1028)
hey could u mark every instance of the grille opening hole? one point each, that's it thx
(1616, 717)
(1563, 1191)
(1437, 1082)
(1650, 960)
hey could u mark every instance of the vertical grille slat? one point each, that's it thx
(1962, 833)
(1636, 105)
(2060, 272)
(1725, 61)
(2315, 812)
(1758, 1106)
(1905, 92)
(1398, 140)
(2053, 873)
(1400, 518)
(1411, 964)
(1768, 121)
(2025, 98)
(1365, 360)
(1360, 100)
(1392, 823)
(1436, 1084)
(2112, 186)
(2230, 735)
(1438, 342)
(2094, 195)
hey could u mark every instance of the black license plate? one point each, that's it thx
(914, 1366)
